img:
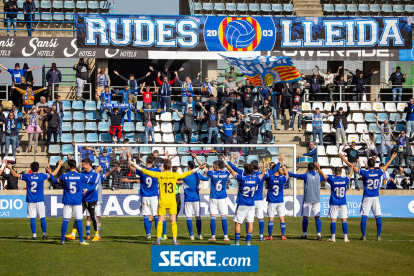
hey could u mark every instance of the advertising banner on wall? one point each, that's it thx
(15, 206)
(222, 33)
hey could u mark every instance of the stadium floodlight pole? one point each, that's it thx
(205, 146)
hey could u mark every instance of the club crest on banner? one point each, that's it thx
(239, 33)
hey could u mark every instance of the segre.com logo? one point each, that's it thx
(212, 258)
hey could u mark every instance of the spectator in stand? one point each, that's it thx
(286, 100)
(230, 104)
(11, 9)
(86, 153)
(411, 176)
(234, 117)
(397, 79)
(409, 117)
(403, 147)
(255, 116)
(253, 130)
(314, 83)
(206, 88)
(59, 110)
(188, 120)
(341, 87)
(17, 114)
(340, 123)
(212, 102)
(149, 121)
(28, 96)
(273, 97)
(11, 131)
(228, 127)
(133, 84)
(234, 151)
(400, 179)
(187, 89)
(17, 73)
(386, 134)
(30, 80)
(297, 108)
(102, 80)
(229, 74)
(243, 87)
(29, 10)
(126, 94)
(147, 94)
(12, 182)
(266, 112)
(312, 152)
(1, 131)
(187, 104)
(82, 70)
(230, 83)
(247, 98)
(317, 124)
(43, 109)
(116, 118)
(353, 77)
(165, 91)
(359, 89)
(166, 73)
(106, 99)
(329, 82)
(104, 160)
(33, 129)
(371, 144)
(53, 119)
(53, 77)
(212, 120)
(353, 157)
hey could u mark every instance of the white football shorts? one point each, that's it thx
(370, 203)
(335, 209)
(36, 209)
(244, 212)
(311, 208)
(98, 211)
(276, 209)
(149, 205)
(218, 207)
(258, 207)
(191, 208)
(75, 210)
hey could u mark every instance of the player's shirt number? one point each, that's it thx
(148, 181)
(169, 188)
(247, 191)
(72, 187)
(219, 186)
(340, 191)
(275, 190)
(372, 184)
(33, 187)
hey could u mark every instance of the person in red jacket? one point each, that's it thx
(165, 91)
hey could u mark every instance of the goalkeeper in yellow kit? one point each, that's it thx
(167, 181)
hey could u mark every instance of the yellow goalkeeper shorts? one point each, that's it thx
(162, 210)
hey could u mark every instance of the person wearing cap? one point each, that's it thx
(397, 79)
(53, 77)
(234, 75)
(102, 80)
(340, 123)
(149, 121)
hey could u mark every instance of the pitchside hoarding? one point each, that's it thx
(14, 206)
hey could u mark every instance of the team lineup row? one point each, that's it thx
(82, 194)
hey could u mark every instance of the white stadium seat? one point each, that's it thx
(167, 138)
(166, 117)
(390, 107)
(362, 159)
(332, 150)
(309, 128)
(323, 161)
(350, 129)
(354, 106)
(353, 138)
(328, 107)
(366, 137)
(343, 105)
(366, 106)
(171, 150)
(378, 107)
(160, 150)
(158, 138)
(175, 161)
(326, 128)
(317, 105)
(306, 107)
(349, 118)
(327, 172)
(361, 127)
(358, 118)
(321, 150)
(166, 127)
(157, 128)
(336, 162)
(400, 107)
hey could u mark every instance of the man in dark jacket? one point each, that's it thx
(340, 123)
(29, 10)
(286, 100)
(341, 87)
(12, 182)
(53, 77)
(116, 118)
(409, 117)
(397, 79)
(188, 121)
(149, 121)
(359, 87)
(403, 147)
(81, 69)
(315, 83)
(253, 130)
(297, 108)
(53, 119)
(59, 110)
(10, 7)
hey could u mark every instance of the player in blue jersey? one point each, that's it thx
(74, 186)
(248, 185)
(89, 199)
(276, 205)
(148, 193)
(258, 197)
(35, 197)
(337, 202)
(371, 179)
(311, 199)
(191, 187)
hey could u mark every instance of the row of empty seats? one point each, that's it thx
(243, 7)
(333, 150)
(359, 128)
(333, 162)
(68, 6)
(370, 118)
(373, 9)
(376, 106)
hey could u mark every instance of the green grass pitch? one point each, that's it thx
(124, 251)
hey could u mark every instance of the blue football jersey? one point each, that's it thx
(371, 180)
(247, 188)
(34, 185)
(218, 183)
(149, 185)
(73, 185)
(92, 181)
(191, 187)
(105, 163)
(338, 189)
(275, 191)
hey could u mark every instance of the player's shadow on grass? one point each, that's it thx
(128, 239)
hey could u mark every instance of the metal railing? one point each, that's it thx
(73, 84)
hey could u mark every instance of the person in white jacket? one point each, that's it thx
(371, 146)
(329, 82)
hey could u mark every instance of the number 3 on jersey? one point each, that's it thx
(169, 189)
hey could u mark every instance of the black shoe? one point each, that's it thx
(18, 151)
(277, 128)
(34, 238)
(358, 189)
(363, 238)
(320, 238)
(304, 237)
(45, 237)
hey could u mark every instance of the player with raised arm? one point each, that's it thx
(74, 186)
(337, 202)
(370, 201)
(35, 197)
(276, 205)
(167, 181)
(248, 185)
(311, 199)
(149, 194)
(89, 199)
(258, 196)
(192, 198)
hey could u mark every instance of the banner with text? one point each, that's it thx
(15, 206)
(222, 33)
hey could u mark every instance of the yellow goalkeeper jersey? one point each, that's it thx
(167, 182)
